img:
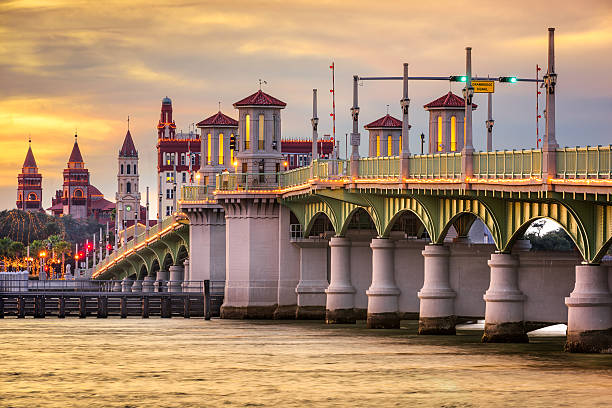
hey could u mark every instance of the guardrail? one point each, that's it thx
(379, 167)
(447, 165)
(508, 164)
(196, 193)
(581, 162)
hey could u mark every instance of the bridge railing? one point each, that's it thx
(447, 165)
(248, 181)
(379, 167)
(582, 162)
(296, 177)
(508, 164)
(196, 193)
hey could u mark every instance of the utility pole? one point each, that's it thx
(468, 93)
(315, 136)
(489, 122)
(405, 143)
(422, 142)
(355, 137)
(550, 140)
(147, 217)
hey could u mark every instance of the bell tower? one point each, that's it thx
(29, 187)
(128, 196)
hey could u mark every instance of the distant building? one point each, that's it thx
(298, 152)
(78, 198)
(29, 185)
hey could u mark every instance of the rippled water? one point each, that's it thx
(191, 362)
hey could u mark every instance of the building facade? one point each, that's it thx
(29, 185)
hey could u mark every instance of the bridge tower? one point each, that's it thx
(385, 135)
(260, 130)
(446, 123)
(29, 187)
(128, 194)
(217, 156)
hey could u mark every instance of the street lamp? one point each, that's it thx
(422, 141)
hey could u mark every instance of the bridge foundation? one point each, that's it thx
(437, 309)
(161, 282)
(176, 278)
(137, 285)
(311, 287)
(383, 294)
(504, 316)
(126, 285)
(340, 293)
(147, 284)
(589, 322)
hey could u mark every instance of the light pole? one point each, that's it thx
(422, 141)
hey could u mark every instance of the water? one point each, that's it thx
(191, 362)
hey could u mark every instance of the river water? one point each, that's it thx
(192, 362)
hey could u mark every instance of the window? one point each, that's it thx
(193, 159)
(439, 133)
(128, 187)
(220, 148)
(31, 197)
(135, 172)
(128, 169)
(78, 193)
(400, 145)
(377, 145)
(247, 136)
(389, 146)
(261, 132)
(184, 177)
(291, 160)
(464, 131)
(209, 150)
(182, 159)
(231, 157)
(168, 210)
(169, 177)
(453, 133)
(122, 169)
(169, 194)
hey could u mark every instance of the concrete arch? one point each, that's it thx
(393, 207)
(143, 271)
(347, 221)
(182, 254)
(167, 262)
(154, 268)
(313, 219)
(313, 209)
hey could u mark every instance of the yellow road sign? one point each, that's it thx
(483, 86)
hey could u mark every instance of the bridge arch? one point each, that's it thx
(392, 208)
(313, 209)
(182, 254)
(143, 272)
(351, 216)
(167, 262)
(313, 222)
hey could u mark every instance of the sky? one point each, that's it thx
(86, 66)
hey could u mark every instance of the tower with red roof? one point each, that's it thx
(128, 195)
(260, 133)
(385, 135)
(76, 183)
(216, 132)
(29, 184)
(446, 123)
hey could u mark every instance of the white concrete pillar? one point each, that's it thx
(147, 284)
(589, 319)
(383, 293)
(176, 278)
(117, 286)
(437, 309)
(504, 322)
(161, 283)
(311, 298)
(340, 293)
(137, 286)
(126, 285)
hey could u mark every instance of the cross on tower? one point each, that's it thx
(261, 81)
(128, 120)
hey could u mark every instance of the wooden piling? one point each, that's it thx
(145, 307)
(61, 307)
(207, 299)
(102, 307)
(1, 307)
(166, 307)
(39, 307)
(123, 307)
(21, 307)
(82, 307)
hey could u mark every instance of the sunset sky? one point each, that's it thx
(67, 65)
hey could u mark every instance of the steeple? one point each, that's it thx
(30, 161)
(29, 184)
(128, 149)
(75, 156)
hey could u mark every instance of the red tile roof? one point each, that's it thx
(57, 206)
(218, 119)
(128, 149)
(450, 100)
(102, 204)
(386, 121)
(260, 98)
(75, 156)
(29, 160)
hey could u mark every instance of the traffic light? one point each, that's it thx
(232, 142)
(511, 80)
(457, 78)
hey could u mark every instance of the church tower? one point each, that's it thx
(128, 196)
(29, 184)
(75, 194)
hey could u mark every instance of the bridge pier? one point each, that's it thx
(504, 316)
(147, 284)
(340, 292)
(589, 322)
(383, 294)
(126, 285)
(161, 283)
(437, 309)
(176, 278)
(137, 285)
(145, 307)
(311, 287)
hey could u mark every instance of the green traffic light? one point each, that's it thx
(512, 80)
(458, 78)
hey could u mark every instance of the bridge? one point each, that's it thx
(386, 238)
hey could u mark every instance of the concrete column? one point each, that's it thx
(340, 293)
(161, 283)
(504, 322)
(126, 285)
(383, 293)
(147, 284)
(117, 286)
(437, 309)
(589, 319)
(137, 285)
(176, 278)
(311, 287)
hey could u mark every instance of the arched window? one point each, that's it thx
(247, 136)
(377, 145)
(439, 133)
(261, 132)
(32, 197)
(135, 172)
(122, 169)
(221, 148)
(453, 133)
(209, 150)
(128, 187)
(400, 145)
(231, 152)
(128, 169)
(78, 193)
(389, 146)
